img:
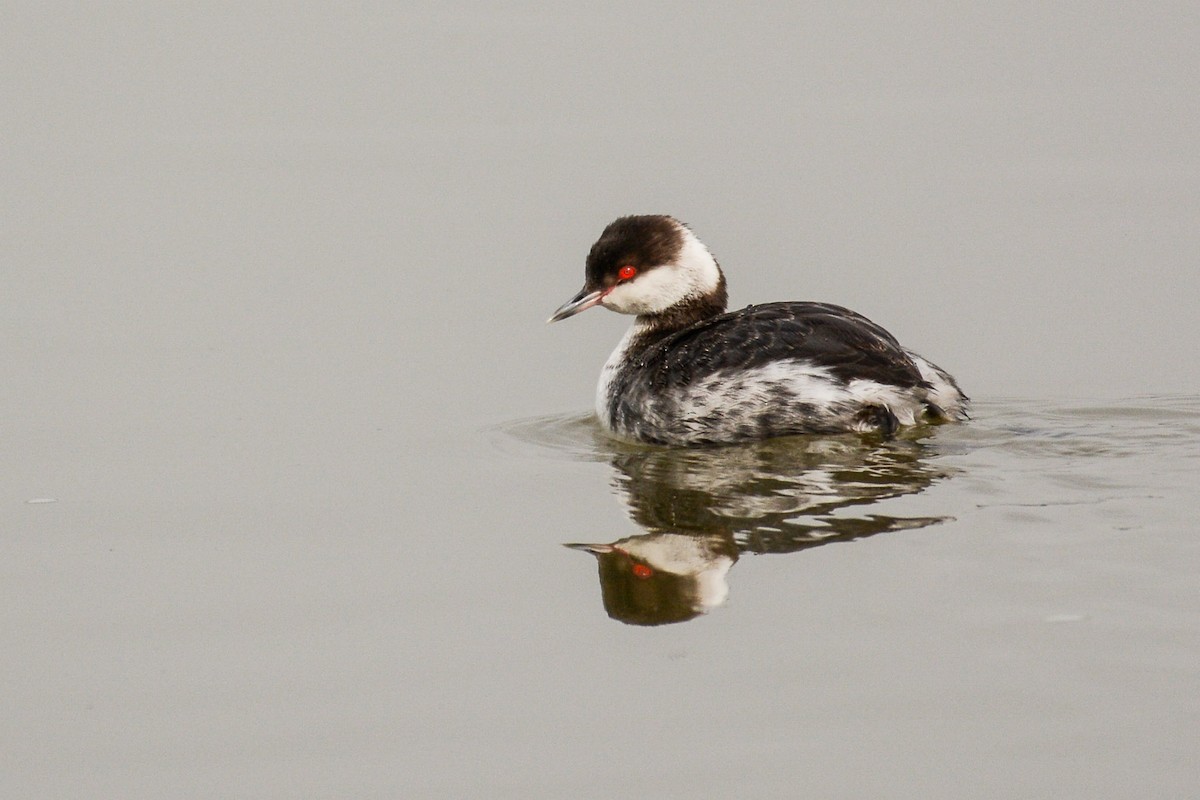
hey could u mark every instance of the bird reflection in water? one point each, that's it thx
(702, 508)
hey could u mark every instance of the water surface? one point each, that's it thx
(288, 457)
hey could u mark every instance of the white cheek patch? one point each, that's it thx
(694, 273)
(695, 259)
(654, 290)
(686, 556)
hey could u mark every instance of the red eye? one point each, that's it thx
(642, 571)
(626, 272)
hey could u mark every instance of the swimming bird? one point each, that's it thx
(689, 373)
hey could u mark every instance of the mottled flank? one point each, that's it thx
(771, 370)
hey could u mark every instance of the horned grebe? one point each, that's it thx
(688, 373)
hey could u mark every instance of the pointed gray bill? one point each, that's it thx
(594, 549)
(580, 302)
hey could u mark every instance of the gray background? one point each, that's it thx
(271, 270)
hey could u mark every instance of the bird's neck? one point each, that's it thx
(651, 328)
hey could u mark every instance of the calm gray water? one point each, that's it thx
(288, 457)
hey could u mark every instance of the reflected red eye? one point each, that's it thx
(626, 272)
(642, 571)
